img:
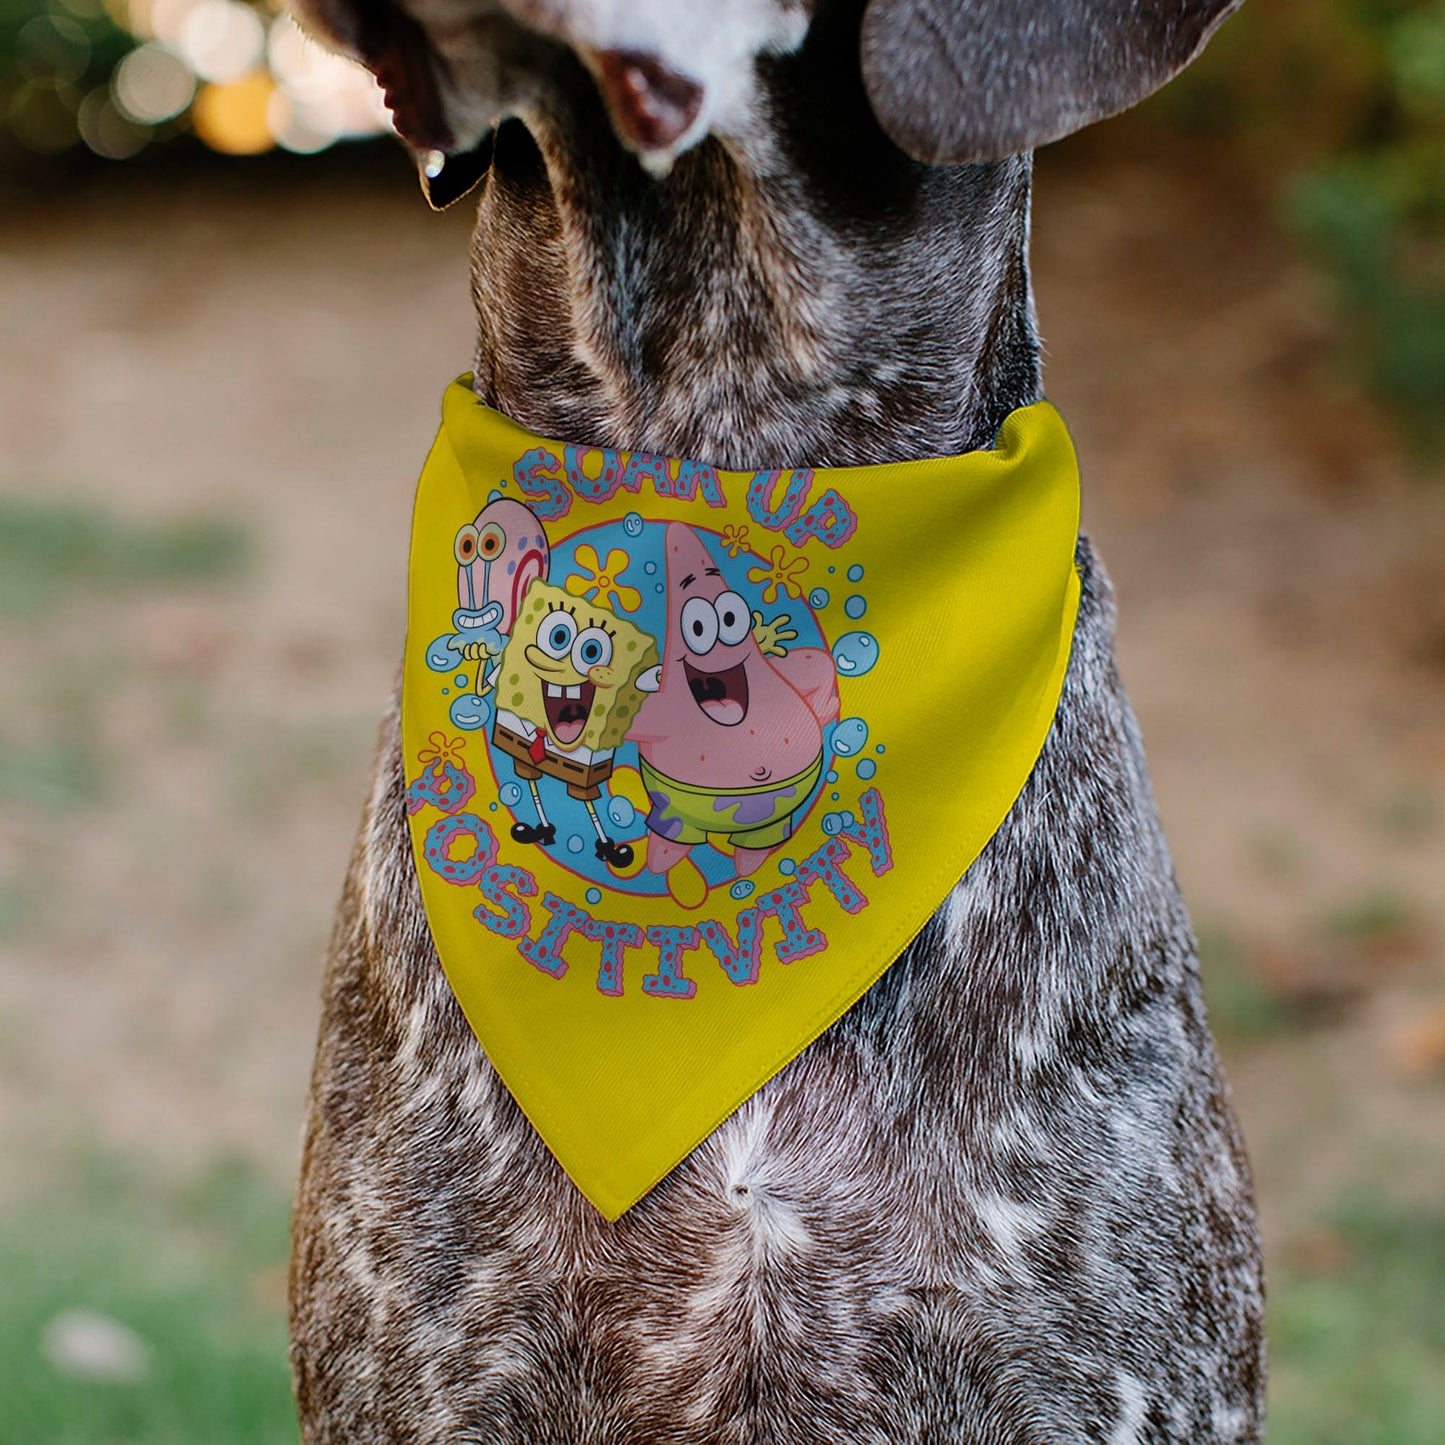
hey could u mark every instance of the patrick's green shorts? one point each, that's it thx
(760, 817)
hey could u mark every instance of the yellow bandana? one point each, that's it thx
(692, 754)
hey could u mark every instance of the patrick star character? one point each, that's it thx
(730, 738)
(499, 556)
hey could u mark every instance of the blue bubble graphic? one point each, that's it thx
(880, 750)
(832, 775)
(818, 597)
(659, 588)
(621, 813)
(850, 737)
(632, 524)
(460, 679)
(491, 807)
(439, 656)
(835, 797)
(446, 692)
(593, 895)
(649, 567)
(833, 824)
(787, 867)
(855, 653)
(866, 768)
(848, 819)
(855, 606)
(470, 712)
(494, 495)
(510, 794)
(741, 889)
(576, 843)
(855, 573)
(831, 570)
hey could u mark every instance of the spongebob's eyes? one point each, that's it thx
(734, 621)
(465, 546)
(699, 625)
(593, 648)
(556, 634)
(490, 542)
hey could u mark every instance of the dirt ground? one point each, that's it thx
(181, 765)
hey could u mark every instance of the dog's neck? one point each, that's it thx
(803, 296)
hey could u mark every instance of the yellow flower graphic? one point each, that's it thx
(602, 581)
(443, 749)
(781, 573)
(735, 539)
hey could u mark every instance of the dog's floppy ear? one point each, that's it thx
(974, 80)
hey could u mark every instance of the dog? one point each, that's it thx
(1001, 1200)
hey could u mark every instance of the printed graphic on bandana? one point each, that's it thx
(654, 703)
(691, 754)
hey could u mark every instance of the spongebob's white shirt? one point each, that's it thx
(581, 754)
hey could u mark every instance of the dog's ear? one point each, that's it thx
(974, 80)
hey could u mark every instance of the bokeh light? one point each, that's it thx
(106, 130)
(320, 98)
(151, 85)
(42, 114)
(221, 40)
(58, 44)
(117, 76)
(232, 117)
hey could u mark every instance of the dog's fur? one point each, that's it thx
(1003, 1199)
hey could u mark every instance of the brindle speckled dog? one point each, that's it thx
(1003, 1199)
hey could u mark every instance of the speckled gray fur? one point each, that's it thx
(1003, 1199)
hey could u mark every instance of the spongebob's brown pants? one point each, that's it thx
(584, 780)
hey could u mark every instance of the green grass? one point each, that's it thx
(58, 775)
(1408, 815)
(1240, 1005)
(1358, 1354)
(1380, 913)
(49, 550)
(193, 1275)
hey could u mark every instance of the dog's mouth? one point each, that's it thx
(723, 696)
(567, 709)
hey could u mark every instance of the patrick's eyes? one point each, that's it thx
(704, 623)
(734, 621)
(556, 634)
(592, 649)
(699, 625)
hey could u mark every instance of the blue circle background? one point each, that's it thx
(569, 814)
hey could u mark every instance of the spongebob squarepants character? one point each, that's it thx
(566, 695)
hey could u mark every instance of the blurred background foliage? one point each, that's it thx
(115, 79)
(1337, 106)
